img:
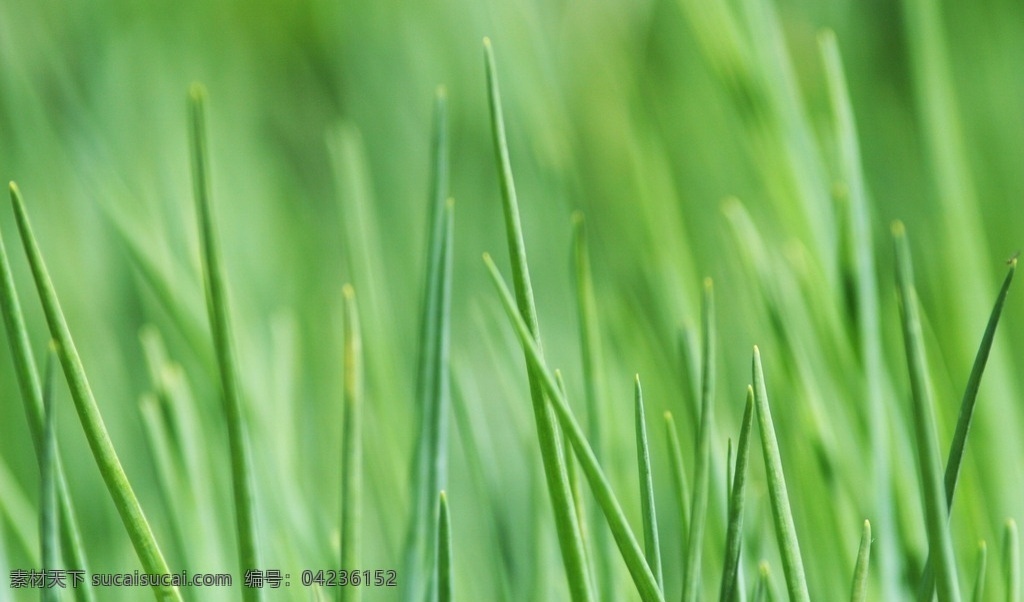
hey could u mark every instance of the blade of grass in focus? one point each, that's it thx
(652, 548)
(702, 467)
(32, 398)
(102, 447)
(1011, 561)
(785, 530)
(433, 392)
(963, 424)
(49, 542)
(352, 446)
(445, 580)
(979, 579)
(220, 326)
(734, 536)
(569, 538)
(595, 387)
(934, 502)
(631, 553)
(859, 592)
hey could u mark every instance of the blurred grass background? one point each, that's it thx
(637, 114)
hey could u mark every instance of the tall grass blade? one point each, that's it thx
(1011, 561)
(859, 592)
(631, 553)
(569, 538)
(49, 544)
(675, 459)
(652, 548)
(702, 468)
(571, 472)
(433, 389)
(88, 411)
(785, 530)
(217, 306)
(979, 579)
(352, 445)
(763, 586)
(445, 577)
(734, 532)
(963, 424)
(32, 398)
(936, 511)
(595, 387)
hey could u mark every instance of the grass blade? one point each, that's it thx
(631, 553)
(859, 592)
(785, 530)
(49, 544)
(675, 459)
(963, 423)
(445, 578)
(652, 549)
(595, 387)
(936, 512)
(89, 413)
(1011, 561)
(979, 580)
(352, 446)
(569, 538)
(702, 470)
(734, 533)
(763, 587)
(217, 306)
(433, 385)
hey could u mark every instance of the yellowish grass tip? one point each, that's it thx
(441, 92)
(197, 92)
(348, 291)
(487, 42)
(898, 229)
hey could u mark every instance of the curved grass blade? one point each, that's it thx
(433, 385)
(32, 398)
(445, 578)
(89, 413)
(352, 445)
(217, 306)
(652, 548)
(631, 553)
(859, 593)
(734, 533)
(979, 580)
(963, 423)
(936, 512)
(49, 544)
(702, 470)
(595, 387)
(675, 458)
(1011, 561)
(569, 538)
(785, 530)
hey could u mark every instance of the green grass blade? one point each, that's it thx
(569, 538)
(979, 580)
(89, 413)
(763, 587)
(652, 548)
(785, 530)
(859, 592)
(1011, 561)
(571, 472)
(734, 532)
(49, 543)
(631, 553)
(702, 468)
(433, 386)
(32, 398)
(217, 306)
(445, 577)
(936, 512)
(595, 387)
(352, 445)
(675, 459)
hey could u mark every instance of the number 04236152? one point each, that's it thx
(350, 578)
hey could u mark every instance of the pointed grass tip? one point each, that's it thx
(898, 229)
(487, 44)
(197, 92)
(347, 291)
(441, 92)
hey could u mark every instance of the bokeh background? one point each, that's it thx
(646, 116)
